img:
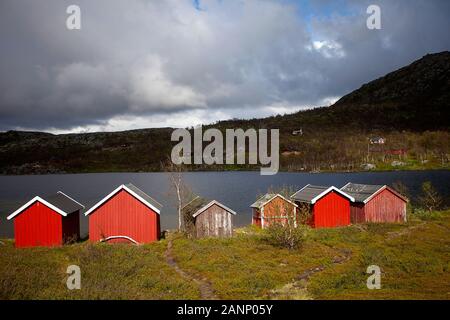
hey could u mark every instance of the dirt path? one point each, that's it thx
(206, 290)
(396, 234)
(298, 289)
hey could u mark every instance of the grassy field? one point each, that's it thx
(414, 259)
(107, 272)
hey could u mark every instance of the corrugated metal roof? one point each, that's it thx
(267, 198)
(144, 196)
(209, 205)
(59, 202)
(361, 192)
(63, 202)
(262, 200)
(308, 193)
(194, 205)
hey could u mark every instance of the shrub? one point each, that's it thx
(304, 213)
(430, 198)
(286, 236)
(423, 214)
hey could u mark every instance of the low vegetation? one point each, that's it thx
(287, 236)
(330, 264)
(107, 272)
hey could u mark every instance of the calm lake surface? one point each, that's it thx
(235, 189)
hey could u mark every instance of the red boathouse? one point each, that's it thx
(328, 206)
(125, 215)
(375, 203)
(47, 221)
(273, 208)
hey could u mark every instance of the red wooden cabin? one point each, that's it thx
(125, 215)
(47, 221)
(329, 207)
(273, 208)
(375, 203)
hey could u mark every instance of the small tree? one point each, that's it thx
(401, 188)
(430, 198)
(287, 235)
(283, 230)
(285, 190)
(304, 213)
(187, 211)
(179, 188)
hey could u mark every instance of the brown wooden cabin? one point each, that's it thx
(273, 208)
(375, 203)
(208, 218)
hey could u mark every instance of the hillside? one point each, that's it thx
(408, 107)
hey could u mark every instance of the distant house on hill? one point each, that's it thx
(397, 152)
(208, 218)
(126, 215)
(377, 140)
(273, 208)
(47, 221)
(298, 132)
(375, 203)
(328, 206)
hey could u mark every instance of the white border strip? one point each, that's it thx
(29, 203)
(332, 188)
(274, 196)
(122, 187)
(211, 204)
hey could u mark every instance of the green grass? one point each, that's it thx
(107, 272)
(414, 259)
(245, 267)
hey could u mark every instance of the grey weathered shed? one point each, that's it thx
(210, 218)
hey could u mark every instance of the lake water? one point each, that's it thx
(235, 189)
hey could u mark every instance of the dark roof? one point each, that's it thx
(59, 202)
(262, 200)
(267, 198)
(361, 192)
(63, 202)
(194, 205)
(144, 196)
(308, 193)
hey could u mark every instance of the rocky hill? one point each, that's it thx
(410, 107)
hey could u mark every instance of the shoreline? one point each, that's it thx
(243, 170)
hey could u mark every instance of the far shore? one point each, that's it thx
(415, 169)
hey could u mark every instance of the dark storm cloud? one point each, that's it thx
(159, 61)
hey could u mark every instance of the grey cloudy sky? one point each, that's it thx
(143, 63)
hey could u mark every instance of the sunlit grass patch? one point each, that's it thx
(246, 267)
(107, 272)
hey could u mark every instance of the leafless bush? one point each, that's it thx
(430, 198)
